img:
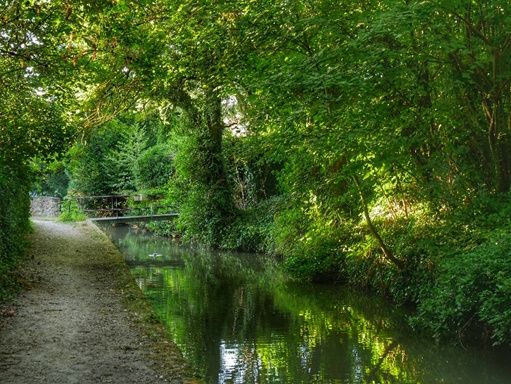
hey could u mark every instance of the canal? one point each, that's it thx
(238, 320)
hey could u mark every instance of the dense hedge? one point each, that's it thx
(14, 221)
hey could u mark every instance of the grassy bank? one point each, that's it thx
(165, 352)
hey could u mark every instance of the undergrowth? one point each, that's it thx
(14, 223)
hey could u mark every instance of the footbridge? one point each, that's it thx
(122, 208)
(136, 218)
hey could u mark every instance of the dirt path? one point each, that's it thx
(72, 325)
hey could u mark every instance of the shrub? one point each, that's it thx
(472, 292)
(155, 167)
(202, 215)
(71, 212)
(312, 247)
(251, 231)
(14, 220)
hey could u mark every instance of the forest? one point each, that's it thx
(365, 143)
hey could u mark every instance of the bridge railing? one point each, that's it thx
(103, 206)
(113, 206)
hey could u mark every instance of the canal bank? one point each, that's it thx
(81, 318)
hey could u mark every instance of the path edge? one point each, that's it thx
(142, 315)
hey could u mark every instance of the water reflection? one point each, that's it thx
(237, 321)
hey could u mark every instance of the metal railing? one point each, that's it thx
(103, 206)
(112, 206)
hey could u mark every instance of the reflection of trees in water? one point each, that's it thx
(237, 320)
(229, 315)
(137, 248)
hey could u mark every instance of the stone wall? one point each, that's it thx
(45, 206)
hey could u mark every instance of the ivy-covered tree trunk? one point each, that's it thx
(212, 168)
(210, 198)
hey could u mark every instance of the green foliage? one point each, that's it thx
(250, 169)
(251, 231)
(154, 167)
(51, 178)
(470, 288)
(122, 158)
(70, 212)
(200, 187)
(14, 224)
(313, 250)
(473, 288)
(365, 266)
(201, 217)
(88, 162)
(34, 119)
(117, 159)
(254, 192)
(370, 131)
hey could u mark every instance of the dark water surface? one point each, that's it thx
(238, 321)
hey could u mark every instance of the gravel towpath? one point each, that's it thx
(73, 325)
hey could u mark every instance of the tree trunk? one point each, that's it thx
(208, 169)
(386, 251)
(498, 129)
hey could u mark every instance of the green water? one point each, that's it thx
(237, 320)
